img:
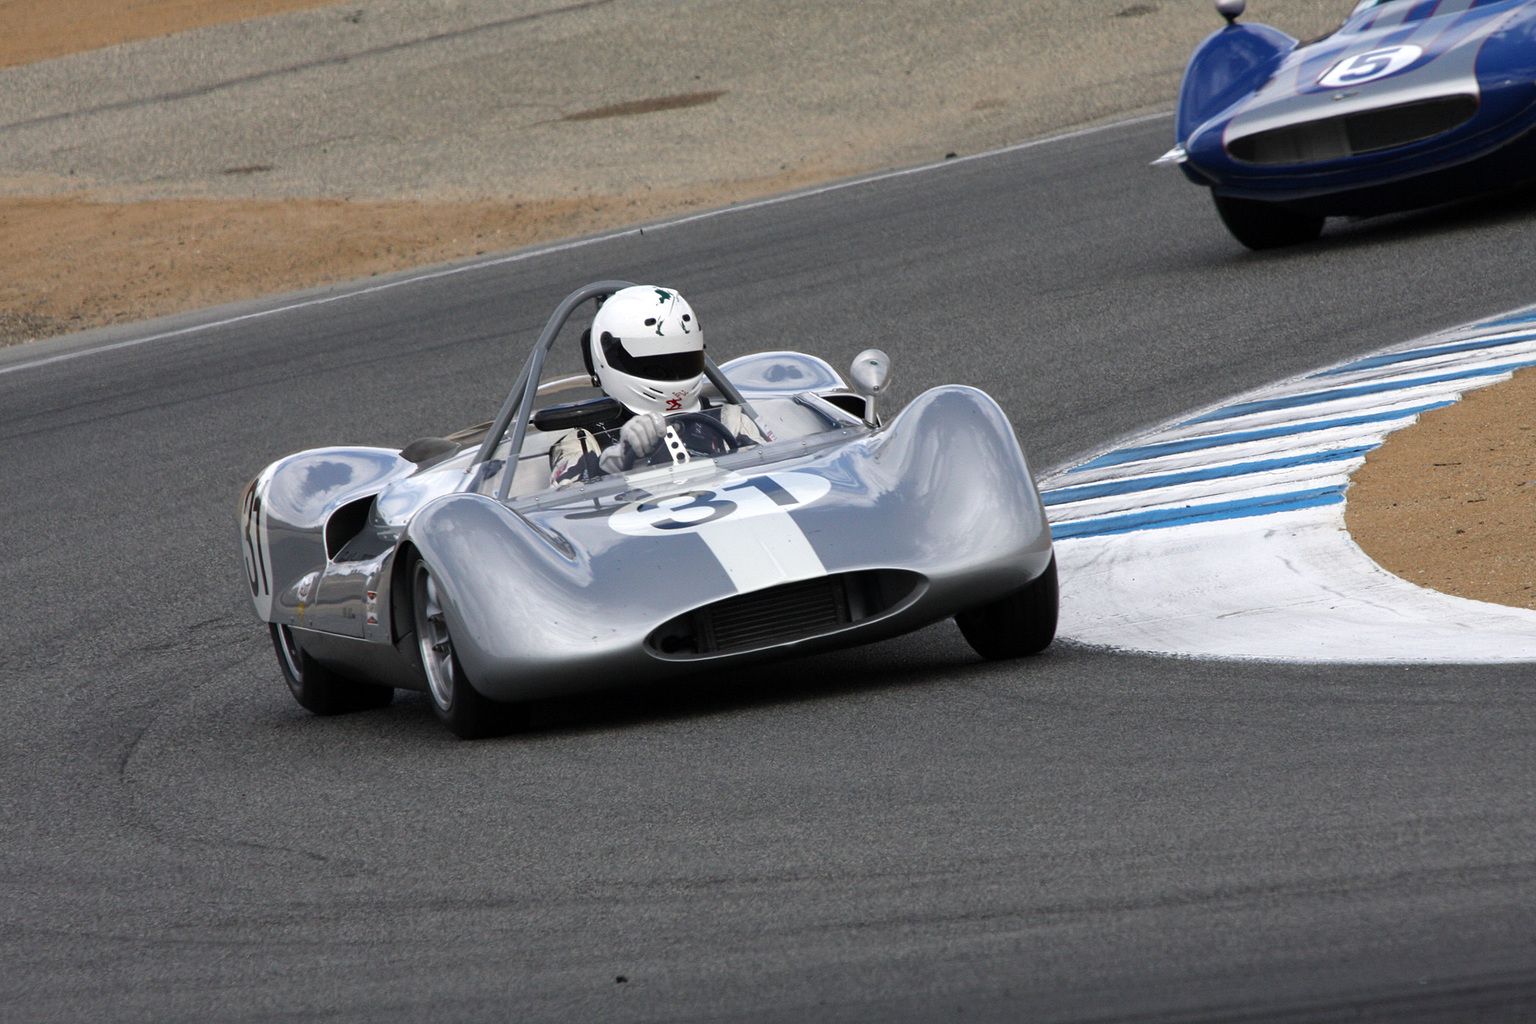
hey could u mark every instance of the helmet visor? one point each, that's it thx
(668, 366)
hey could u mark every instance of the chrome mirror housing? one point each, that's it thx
(869, 373)
(1230, 9)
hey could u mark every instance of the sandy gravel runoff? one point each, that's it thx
(240, 157)
(164, 155)
(1450, 502)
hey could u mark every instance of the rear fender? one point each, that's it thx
(283, 518)
(782, 373)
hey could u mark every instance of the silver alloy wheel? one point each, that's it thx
(432, 636)
(288, 648)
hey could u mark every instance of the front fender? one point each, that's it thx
(517, 601)
(947, 492)
(1227, 66)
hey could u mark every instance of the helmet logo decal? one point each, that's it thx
(664, 297)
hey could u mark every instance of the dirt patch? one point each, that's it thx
(18, 327)
(630, 109)
(1450, 502)
(40, 29)
(66, 256)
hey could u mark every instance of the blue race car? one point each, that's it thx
(1408, 104)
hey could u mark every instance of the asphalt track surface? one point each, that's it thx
(900, 832)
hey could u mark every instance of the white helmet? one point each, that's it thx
(648, 351)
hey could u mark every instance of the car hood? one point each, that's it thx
(1398, 53)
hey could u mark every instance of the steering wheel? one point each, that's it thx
(710, 425)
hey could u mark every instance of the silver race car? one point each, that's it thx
(454, 566)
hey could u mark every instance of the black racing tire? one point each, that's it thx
(467, 713)
(1260, 225)
(316, 687)
(1022, 623)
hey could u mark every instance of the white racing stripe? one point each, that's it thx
(745, 522)
(1222, 534)
(762, 552)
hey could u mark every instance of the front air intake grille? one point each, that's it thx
(778, 613)
(782, 614)
(1369, 131)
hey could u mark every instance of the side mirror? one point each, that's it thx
(869, 372)
(1230, 9)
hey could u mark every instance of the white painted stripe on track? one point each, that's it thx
(1222, 534)
(1291, 586)
(581, 243)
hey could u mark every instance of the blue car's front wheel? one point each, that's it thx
(1260, 225)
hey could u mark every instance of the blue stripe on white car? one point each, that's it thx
(1222, 534)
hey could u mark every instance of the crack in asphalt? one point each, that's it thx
(309, 65)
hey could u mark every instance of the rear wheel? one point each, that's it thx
(316, 687)
(1022, 623)
(458, 704)
(1260, 225)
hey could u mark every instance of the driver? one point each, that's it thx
(646, 350)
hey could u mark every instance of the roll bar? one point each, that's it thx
(517, 410)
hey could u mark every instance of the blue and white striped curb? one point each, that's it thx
(1222, 534)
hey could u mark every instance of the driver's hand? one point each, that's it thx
(642, 434)
(638, 438)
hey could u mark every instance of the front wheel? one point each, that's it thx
(1260, 225)
(458, 704)
(1022, 623)
(316, 687)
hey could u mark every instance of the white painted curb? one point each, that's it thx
(1222, 534)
